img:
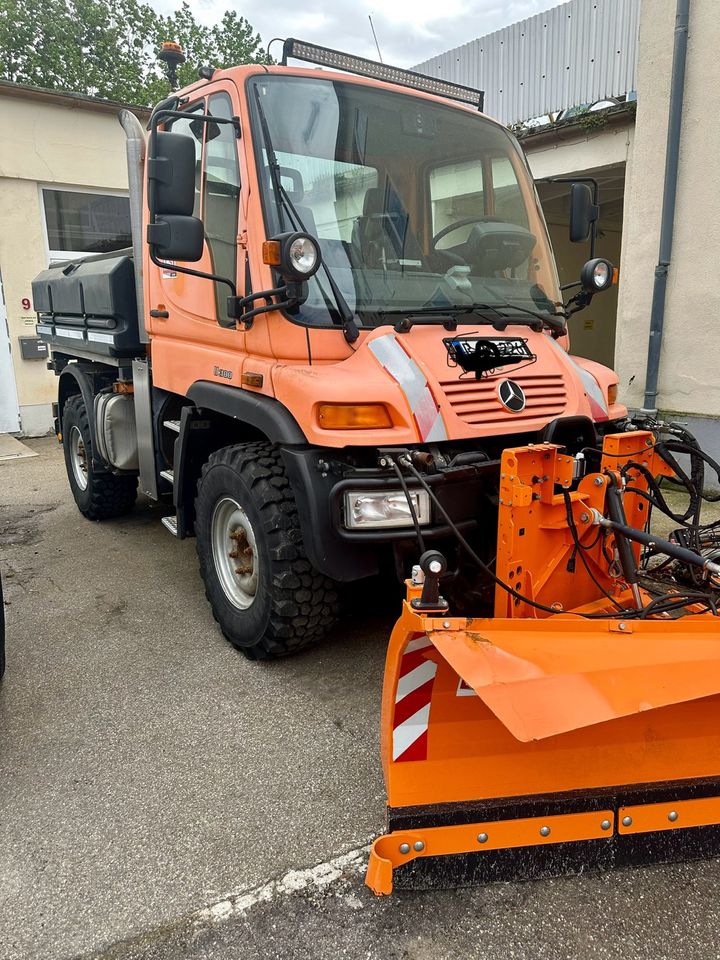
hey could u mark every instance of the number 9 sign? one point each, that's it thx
(26, 303)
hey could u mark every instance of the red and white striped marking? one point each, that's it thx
(412, 702)
(413, 383)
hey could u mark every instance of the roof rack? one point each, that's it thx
(326, 57)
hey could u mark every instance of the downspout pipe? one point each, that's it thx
(135, 151)
(657, 310)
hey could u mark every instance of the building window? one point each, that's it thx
(85, 223)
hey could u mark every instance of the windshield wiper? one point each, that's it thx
(347, 316)
(449, 316)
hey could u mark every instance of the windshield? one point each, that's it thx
(416, 205)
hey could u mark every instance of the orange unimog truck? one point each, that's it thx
(335, 275)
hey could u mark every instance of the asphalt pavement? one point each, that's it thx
(161, 797)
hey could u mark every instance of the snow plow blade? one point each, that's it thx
(536, 747)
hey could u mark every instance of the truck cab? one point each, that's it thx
(341, 292)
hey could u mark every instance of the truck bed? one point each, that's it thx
(88, 305)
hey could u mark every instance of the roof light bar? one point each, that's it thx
(324, 56)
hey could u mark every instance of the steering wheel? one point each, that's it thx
(462, 223)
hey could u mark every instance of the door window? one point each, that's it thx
(221, 196)
(194, 129)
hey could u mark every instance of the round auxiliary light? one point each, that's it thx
(303, 254)
(597, 274)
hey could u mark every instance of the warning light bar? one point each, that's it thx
(324, 56)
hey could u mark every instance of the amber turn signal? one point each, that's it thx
(353, 416)
(271, 252)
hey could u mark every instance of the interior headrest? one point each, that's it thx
(374, 202)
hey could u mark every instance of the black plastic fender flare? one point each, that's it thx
(267, 415)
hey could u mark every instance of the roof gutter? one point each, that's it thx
(657, 310)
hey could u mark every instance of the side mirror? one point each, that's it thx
(597, 275)
(171, 175)
(175, 237)
(583, 212)
(173, 233)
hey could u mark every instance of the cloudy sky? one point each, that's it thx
(409, 31)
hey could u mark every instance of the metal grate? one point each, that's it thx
(477, 402)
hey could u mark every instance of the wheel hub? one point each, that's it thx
(234, 553)
(78, 458)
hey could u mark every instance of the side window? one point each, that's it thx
(457, 191)
(195, 129)
(221, 196)
(508, 199)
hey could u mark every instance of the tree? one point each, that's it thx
(108, 48)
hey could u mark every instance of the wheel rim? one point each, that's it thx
(235, 553)
(78, 458)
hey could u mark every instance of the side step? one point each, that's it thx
(171, 524)
(168, 475)
(172, 425)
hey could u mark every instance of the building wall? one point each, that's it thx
(689, 382)
(44, 144)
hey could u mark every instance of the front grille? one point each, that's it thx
(477, 401)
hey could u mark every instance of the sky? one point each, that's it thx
(408, 31)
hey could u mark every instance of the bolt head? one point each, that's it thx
(404, 848)
(672, 816)
(621, 626)
(482, 838)
(598, 481)
(435, 566)
(605, 825)
(544, 831)
(627, 821)
(418, 846)
(584, 517)
(446, 624)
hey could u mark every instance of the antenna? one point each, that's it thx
(372, 27)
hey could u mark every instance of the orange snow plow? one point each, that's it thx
(577, 727)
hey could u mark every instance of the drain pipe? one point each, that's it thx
(657, 311)
(135, 149)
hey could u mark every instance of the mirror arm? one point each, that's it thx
(578, 302)
(176, 268)
(237, 306)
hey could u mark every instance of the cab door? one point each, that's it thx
(189, 309)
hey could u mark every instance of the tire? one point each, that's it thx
(99, 496)
(264, 592)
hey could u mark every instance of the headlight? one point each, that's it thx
(597, 275)
(296, 255)
(387, 508)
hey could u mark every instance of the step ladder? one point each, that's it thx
(170, 522)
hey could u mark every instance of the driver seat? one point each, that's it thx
(380, 235)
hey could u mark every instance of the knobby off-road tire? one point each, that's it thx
(265, 594)
(99, 496)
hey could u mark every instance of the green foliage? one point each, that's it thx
(108, 48)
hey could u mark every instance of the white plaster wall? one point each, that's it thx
(44, 143)
(689, 381)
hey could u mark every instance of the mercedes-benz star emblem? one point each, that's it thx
(512, 396)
